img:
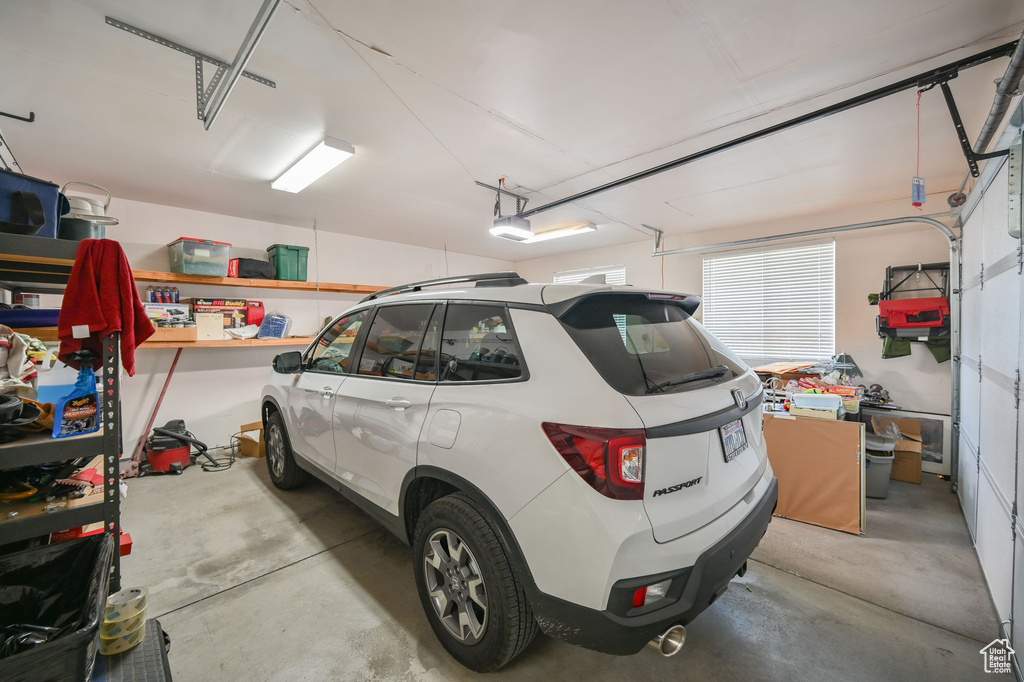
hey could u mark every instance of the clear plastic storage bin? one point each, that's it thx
(190, 256)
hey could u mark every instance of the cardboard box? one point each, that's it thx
(174, 334)
(250, 446)
(234, 310)
(813, 413)
(209, 326)
(907, 463)
(787, 370)
(166, 311)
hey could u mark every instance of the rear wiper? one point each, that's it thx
(712, 373)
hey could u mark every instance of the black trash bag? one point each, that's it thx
(50, 593)
(252, 268)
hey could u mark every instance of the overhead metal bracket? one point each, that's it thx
(203, 93)
(521, 201)
(970, 155)
(244, 54)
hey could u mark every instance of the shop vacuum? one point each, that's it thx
(169, 449)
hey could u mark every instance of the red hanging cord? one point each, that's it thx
(917, 171)
(917, 184)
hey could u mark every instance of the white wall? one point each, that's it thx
(217, 389)
(916, 382)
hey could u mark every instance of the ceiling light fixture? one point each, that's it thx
(316, 163)
(512, 227)
(561, 232)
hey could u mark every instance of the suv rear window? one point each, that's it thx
(645, 346)
(478, 344)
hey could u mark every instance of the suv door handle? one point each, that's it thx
(398, 403)
(327, 392)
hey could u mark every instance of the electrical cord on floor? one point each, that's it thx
(223, 463)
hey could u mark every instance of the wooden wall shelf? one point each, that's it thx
(231, 343)
(49, 334)
(328, 287)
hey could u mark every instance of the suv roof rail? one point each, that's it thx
(507, 278)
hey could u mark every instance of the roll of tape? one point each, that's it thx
(126, 603)
(119, 645)
(120, 628)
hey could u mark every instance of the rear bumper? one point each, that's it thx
(621, 630)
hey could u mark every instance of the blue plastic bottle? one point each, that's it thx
(78, 412)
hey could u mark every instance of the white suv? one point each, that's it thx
(583, 459)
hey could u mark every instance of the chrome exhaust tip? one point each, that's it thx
(669, 642)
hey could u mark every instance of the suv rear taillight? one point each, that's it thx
(611, 461)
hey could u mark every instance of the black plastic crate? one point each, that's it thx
(62, 587)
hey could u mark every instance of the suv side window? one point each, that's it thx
(478, 344)
(332, 350)
(393, 341)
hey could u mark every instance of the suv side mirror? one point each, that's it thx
(288, 363)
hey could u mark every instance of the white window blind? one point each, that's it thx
(775, 304)
(613, 274)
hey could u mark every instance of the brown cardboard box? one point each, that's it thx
(907, 464)
(787, 370)
(813, 413)
(249, 446)
(174, 334)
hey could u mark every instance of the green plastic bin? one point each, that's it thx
(290, 261)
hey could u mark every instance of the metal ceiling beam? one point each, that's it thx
(203, 93)
(918, 81)
(245, 52)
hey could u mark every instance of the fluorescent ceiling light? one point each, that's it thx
(561, 232)
(314, 165)
(512, 227)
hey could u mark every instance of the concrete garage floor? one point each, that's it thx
(259, 584)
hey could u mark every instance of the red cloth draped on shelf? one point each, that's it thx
(101, 298)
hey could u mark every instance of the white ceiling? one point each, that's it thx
(556, 96)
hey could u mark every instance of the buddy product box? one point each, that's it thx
(235, 311)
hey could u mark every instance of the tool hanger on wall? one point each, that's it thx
(31, 116)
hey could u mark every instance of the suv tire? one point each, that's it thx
(462, 569)
(284, 471)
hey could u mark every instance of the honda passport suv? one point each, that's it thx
(586, 460)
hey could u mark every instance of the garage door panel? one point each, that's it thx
(970, 401)
(1018, 602)
(996, 239)
(970, 323)
(998, 443)
(995, 549)
(1020, 478)
(970, 257)
(967, 486)
(1000, 322)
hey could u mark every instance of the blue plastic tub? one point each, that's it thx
(29, 205)
(30, 317)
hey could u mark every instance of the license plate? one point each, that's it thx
(734, 439)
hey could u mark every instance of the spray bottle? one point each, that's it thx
(79, 411)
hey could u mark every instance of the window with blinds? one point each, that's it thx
(773, 304)
(613, 274)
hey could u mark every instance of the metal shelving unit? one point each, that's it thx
(36, 264)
